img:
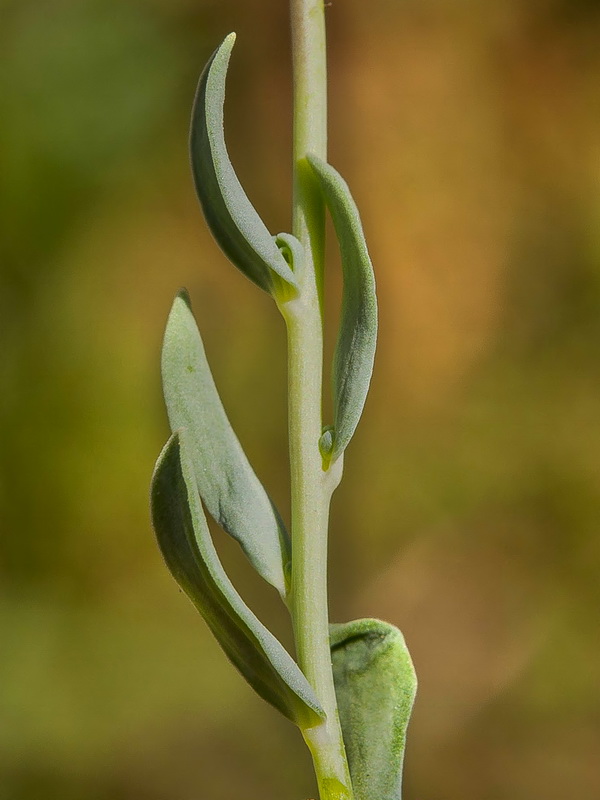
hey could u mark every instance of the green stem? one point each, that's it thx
(311, 486)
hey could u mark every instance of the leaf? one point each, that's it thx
(230, 215)
(186, 545)
(375, 684)
(355, 349)
(227, 483)
(292, 250)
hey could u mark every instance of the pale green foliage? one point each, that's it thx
(203, 462)
(375, 683)
(227, 483)
(187, 548)
(232, 218)
(357, 337)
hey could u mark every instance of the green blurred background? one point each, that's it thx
(470, 133)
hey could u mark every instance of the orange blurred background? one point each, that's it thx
(468, 516)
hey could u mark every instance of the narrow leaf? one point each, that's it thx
(375, 684)
(355, 349)
(188, 550)
(230, 215)
(232, 493)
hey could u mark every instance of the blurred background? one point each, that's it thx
(470, 134)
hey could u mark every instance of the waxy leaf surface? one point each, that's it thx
(355, 348)
(229, 488)
(189, 552)
(375, 684)
(230, 215)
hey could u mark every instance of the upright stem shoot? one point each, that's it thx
(312, 486)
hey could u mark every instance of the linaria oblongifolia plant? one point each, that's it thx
(351, 688)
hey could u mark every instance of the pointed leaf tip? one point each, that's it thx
(188, 550)
(184, 295)
(357, 337)
(231, 217)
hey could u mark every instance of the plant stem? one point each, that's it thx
(311, 486)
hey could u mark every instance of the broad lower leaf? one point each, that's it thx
(227, 483)
(355, 349)
(232, 218)
(188, 550)
(375, 684)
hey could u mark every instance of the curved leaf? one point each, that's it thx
(292, 250)
(227, 483)
(188, 550)
(230, 215)
(375, 684)
(355, 349)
